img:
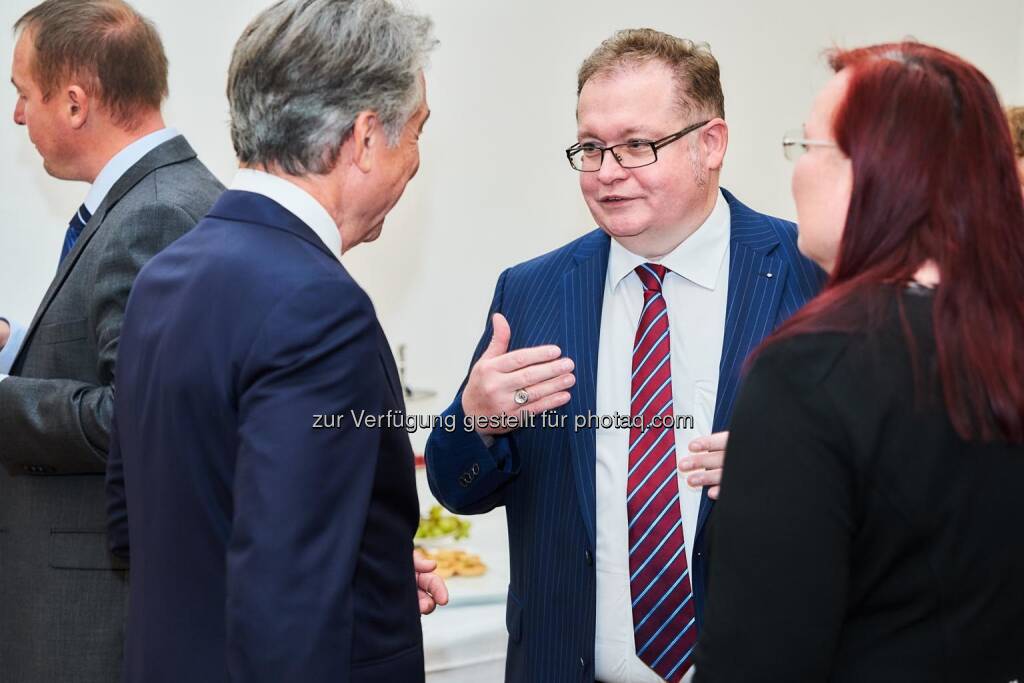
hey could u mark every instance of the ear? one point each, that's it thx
(367, 139)
(714, 138)
(78, 105)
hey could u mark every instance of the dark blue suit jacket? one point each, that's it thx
(545, 477)
(262, 548)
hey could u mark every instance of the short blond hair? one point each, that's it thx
(1015, 115)
(695, 68)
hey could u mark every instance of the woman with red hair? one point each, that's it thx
(871, 519)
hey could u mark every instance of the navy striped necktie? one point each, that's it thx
(75, 227)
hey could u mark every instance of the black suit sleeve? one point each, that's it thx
(301, 494)
(782, 533)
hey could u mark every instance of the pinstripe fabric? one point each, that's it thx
(584, 295)
(545, 478)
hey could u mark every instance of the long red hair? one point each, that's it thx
(934, 177)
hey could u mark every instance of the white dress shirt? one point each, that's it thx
(296, 200)
(695, 292)
(107, 177)
(121, 162)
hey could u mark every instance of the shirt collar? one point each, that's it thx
(296, 200)
(121, 162)
(698, 258)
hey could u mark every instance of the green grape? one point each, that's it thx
(437, 524)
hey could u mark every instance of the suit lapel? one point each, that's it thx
(756, 279)
(582, 299)
(67, 264)
(173, 151)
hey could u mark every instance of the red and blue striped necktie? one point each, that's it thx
(664, 626)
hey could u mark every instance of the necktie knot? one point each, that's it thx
(651, 275)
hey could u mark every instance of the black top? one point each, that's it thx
(858, 538)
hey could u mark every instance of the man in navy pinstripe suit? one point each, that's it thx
(633, 337)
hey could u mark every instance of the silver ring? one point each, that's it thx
(521, 397)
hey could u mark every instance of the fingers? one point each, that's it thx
(560, 384)
(708, 477)
(421, 564)
(533, 375)
(714, 442)
(430, 587)
(541, 382)
(705, 462)
(431, 591)
(499, 339)
(702, 461)
(521, 358)
(435, 586)
(549, 403)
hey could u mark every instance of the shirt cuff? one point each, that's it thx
(10, 350)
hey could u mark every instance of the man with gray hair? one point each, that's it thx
(264, 548)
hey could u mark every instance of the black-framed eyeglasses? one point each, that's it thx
(588, 157)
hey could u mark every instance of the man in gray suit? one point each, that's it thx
(91, 76)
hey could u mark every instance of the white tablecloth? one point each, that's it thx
(465, 641)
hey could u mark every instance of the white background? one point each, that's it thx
(494, 187)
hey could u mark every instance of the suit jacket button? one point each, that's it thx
(583, 664)
(588, 556)
(475, 469)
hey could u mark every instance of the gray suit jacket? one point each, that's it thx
(62, 595)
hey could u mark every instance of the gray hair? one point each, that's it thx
(304, 69)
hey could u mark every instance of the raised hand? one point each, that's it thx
(499, 374)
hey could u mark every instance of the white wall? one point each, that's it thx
(494, 188)
(1018, 97)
